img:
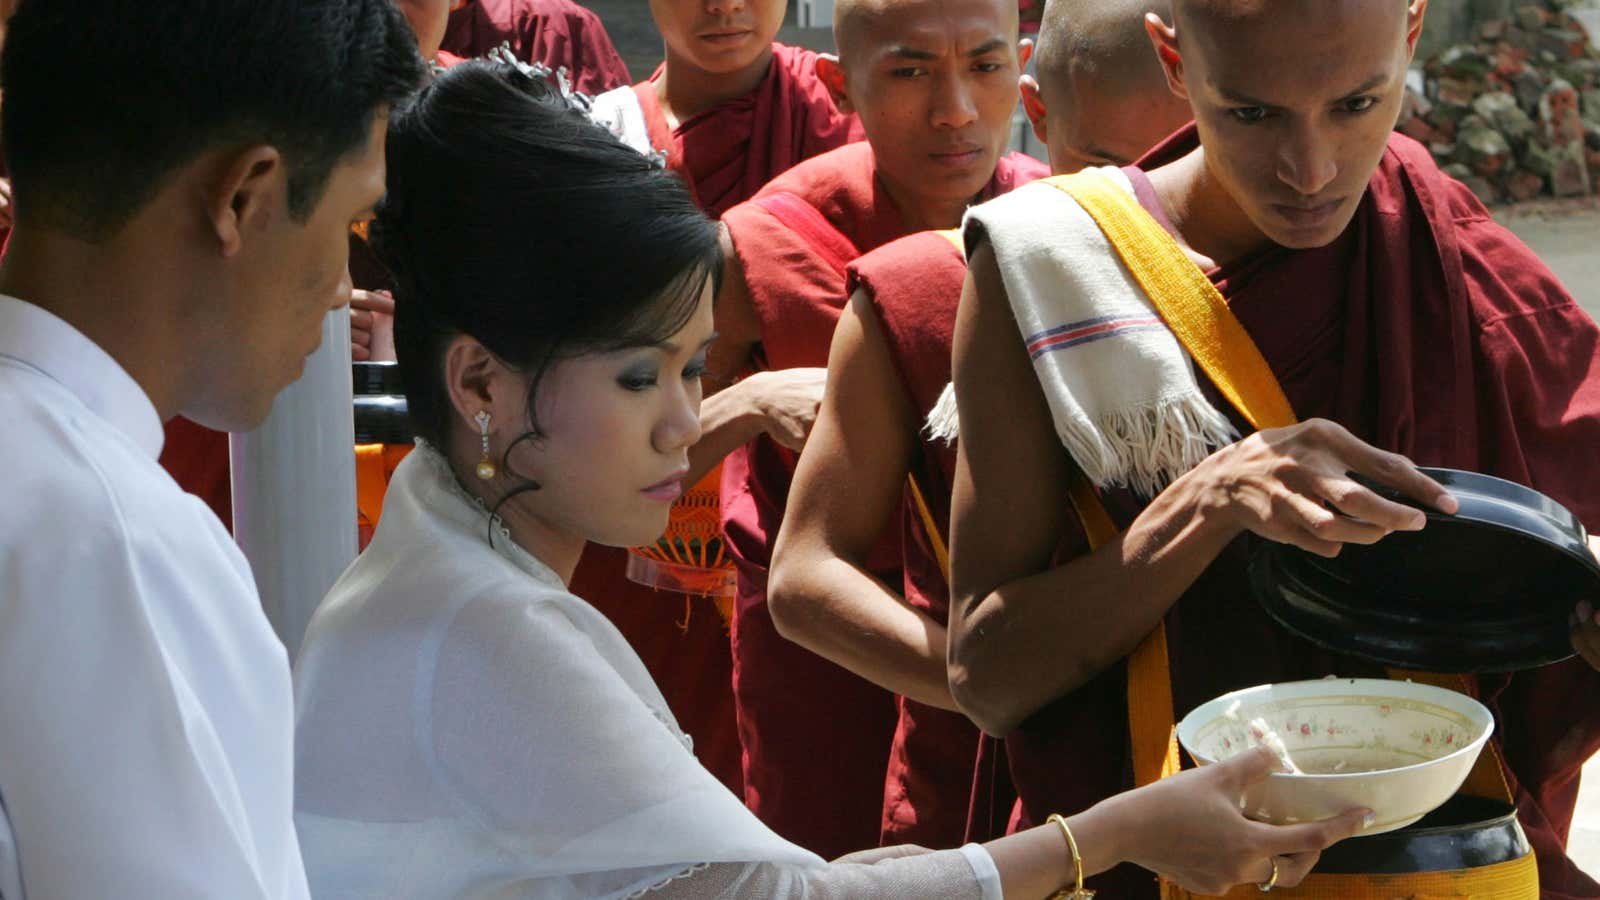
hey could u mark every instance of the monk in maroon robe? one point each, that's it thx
(1403, 324)
(936, 111)
(558, 33)
(1098, 87)
(729, 108)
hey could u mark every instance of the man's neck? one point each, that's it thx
(921, 212)
(87, 287)
(685, 91)
(1212, 225)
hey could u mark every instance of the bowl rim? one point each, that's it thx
(1193, 722)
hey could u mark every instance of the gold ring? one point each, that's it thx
(1272, 882)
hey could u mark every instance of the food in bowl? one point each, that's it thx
(1398, 748)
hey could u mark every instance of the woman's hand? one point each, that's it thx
(1189, 828)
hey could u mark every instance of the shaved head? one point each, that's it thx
(860, 25)
(1212, 13)
(934, 83)
(1102, 96)
(1104, 40)
(1295, 102)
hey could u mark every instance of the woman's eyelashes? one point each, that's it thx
(645, 377)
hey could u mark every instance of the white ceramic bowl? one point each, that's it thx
(1397, 748)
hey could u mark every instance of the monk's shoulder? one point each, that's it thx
(799, 64)
(837, 184)
(1017, 169)
(930, 258)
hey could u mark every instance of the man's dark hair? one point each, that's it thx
(104, 99)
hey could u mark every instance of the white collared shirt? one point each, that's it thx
(146, 715)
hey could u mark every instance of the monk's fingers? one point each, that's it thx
(371, 301)
(790, 433)
(1390, 470)
(1301, 521)
(359, 353)
(1371, 515)
(1586, 641)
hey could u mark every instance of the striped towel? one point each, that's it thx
(1121, 388)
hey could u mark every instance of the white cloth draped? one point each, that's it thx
(468, 728)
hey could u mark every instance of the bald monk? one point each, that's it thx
(1099, 96)
(560, 34)
(1403, 324)
(934, 84)
(729, 108)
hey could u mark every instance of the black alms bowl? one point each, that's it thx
(1489, 589)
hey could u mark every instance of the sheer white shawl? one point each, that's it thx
(468, 728)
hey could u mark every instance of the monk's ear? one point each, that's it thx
(245, 190)
(831, 74)
(1024, 53)
(1415, 13)
(1165, 39)
(1033, 106)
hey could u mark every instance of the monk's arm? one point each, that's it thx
(1021, 632)
(845, 495)
(780, 404)
(737, 409)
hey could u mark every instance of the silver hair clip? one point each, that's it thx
(555, 78)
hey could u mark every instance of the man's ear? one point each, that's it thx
(1414, 16)
(1024, 53)
(1033, 106)
(831, 74)
(1165, 39)
(251, 186)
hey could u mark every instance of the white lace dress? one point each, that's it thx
(466, 728)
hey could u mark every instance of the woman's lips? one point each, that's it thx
(666, 491)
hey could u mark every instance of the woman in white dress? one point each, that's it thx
(466, 727)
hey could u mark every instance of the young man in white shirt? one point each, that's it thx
(185, 176)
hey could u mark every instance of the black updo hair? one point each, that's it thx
(513, 218)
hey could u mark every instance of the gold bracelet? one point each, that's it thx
(1080, 892)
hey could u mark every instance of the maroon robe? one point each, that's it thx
(731, 151)
(197, 459)
(816, 737)
(915, 286)
(558, 33)
(1426, 329)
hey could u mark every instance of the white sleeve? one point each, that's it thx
(109, 771)
(965, 874)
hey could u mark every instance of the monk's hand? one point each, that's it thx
(1303, 485)
(371, 326)
(6, 219)
(1189, 828)
(787, 401)
(1585, 621)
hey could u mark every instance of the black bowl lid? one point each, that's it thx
(1489, 589)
